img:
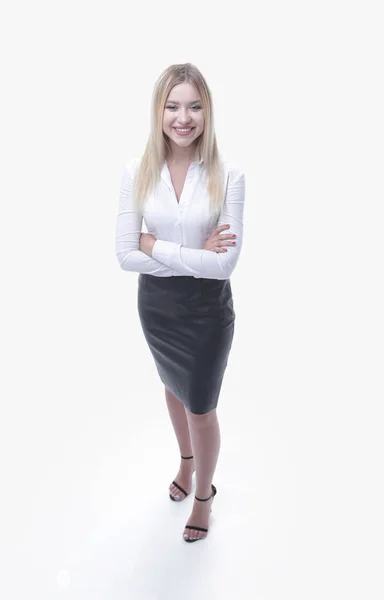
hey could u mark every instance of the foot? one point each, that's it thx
(199, 517)
(183, 479)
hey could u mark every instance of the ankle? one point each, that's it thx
(187, 465)
(201, 497)
(185, 460)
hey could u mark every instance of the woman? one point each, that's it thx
(192, 203)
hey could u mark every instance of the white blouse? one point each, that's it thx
(180, 228)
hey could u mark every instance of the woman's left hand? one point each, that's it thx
(146, 243)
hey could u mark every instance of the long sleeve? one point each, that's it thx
(206, 263)
(128, 231)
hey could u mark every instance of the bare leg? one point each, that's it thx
(179, 420)
(205, 437)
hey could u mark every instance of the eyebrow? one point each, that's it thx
(174, 102)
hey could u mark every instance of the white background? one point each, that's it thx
(87, 447)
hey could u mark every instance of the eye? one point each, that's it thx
(195, 107)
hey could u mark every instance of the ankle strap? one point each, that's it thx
(203, 499)
(186, 457)
(214, 490)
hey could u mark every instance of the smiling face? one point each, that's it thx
(183, 110)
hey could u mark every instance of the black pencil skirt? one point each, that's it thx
(188, 324)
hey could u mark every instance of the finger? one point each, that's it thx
(216, 232)
(227, 236)
(227, 239)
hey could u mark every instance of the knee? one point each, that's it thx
(201, 420)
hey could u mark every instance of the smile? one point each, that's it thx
(183, 131)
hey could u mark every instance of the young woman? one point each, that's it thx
(192, 202)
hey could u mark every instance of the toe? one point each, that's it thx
(188, 534)
(176, 493)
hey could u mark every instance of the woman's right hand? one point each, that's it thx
(217, 240)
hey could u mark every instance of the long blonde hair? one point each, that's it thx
(158, 148)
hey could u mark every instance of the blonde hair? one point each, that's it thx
(158, 148)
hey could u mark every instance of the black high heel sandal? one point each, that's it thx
(214, 491)
(178, 486)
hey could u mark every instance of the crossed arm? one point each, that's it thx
(160, 257)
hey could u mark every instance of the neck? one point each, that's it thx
(181, 156)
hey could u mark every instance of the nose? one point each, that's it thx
(184, 117)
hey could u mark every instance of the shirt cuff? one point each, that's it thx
(164, 251)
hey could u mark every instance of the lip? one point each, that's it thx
(182, 134)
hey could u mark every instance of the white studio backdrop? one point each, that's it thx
(87, 448)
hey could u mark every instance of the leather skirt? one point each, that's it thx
(188, 324)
